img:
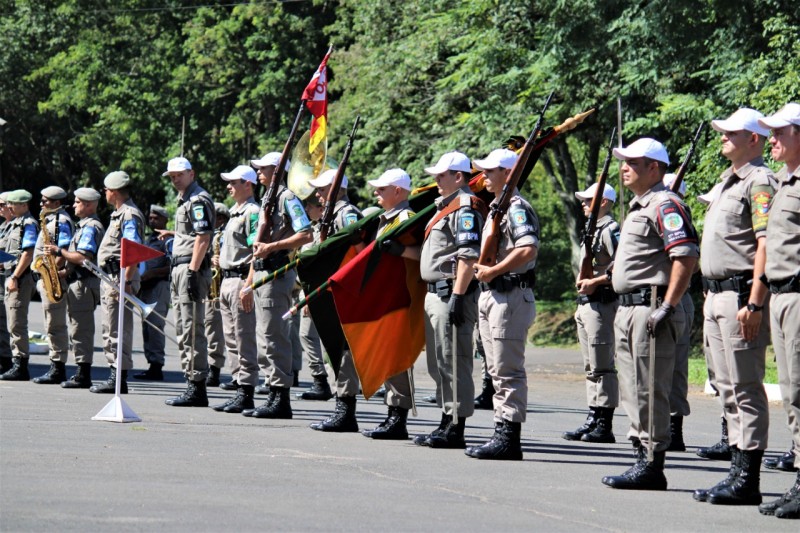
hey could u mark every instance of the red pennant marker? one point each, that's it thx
(133, 252)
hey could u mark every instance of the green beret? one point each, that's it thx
(54, 192)
(158, 210)
(117, 180)
(20, 196)
(87, 194)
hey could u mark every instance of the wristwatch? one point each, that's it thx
(754, 308)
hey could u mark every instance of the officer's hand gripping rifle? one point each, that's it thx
(326, 222)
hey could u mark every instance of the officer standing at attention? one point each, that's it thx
(343, 418)
(449, 252)
(20, 242)
(783, 275)
(83, 287)
(190, 279)
(597, 307)
(290, 230)
(735, 326)
(238, 314)
(60, 227)
(5, 345)
(658, 246)
(127, 221)
(506, 304)
(215, 333)
(155, 289)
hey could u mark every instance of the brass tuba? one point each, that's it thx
(45, 264)
(307, 166)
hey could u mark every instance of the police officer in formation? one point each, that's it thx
(215, 333)
(5, 345)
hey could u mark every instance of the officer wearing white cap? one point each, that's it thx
(155, 290)
(190, 278)
(507, 305)
(449, 251)
(127, 221)
(83, 288)
(215, 333)
(657, 247)
(5, 346)
(59, 227)
(20, 242)
(238, 316)
(392, 189)
(290, 230)
(347, 385)
(783, 276)
(597, 307)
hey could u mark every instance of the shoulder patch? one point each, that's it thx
(676, 225)
(294, 208)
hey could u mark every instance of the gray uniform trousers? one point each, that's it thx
(633, 363)
(504, 320)
(154, 341)
(83, 297)
(215, 334)
(739, 369)
(239, 328)
(347, 383)
(5, 337)
(679, 395)
(595, 321)
(109, 299)
(294, 336)
(17, 304)
(312, 346)
(55, 322)
(398, 390)
(439, 352)
(189, 322)
(476, 338)
(272, 331)
(785, 320)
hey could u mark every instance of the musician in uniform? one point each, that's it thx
(127, 221)
(82, 287)
(5, 345)
(20, 242)
(449, 252)
(597, 307)
(289, 230)
(190, 279)
(59, 227)
(213, 320)
(657, 247)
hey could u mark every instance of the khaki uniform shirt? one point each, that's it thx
(519, 228)
(238, 236)
(393, 217)
(60, 237)
(87, 239)
(195, 216)
(127, 222)
(783, 233)
(289, 216)
(658, 228)
(344, 214)
(735, 219)
(21, 235)
(604, 245)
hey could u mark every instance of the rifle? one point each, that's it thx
(587, 271)
(271, 204)
(492, 243)
(676, 185)
(326, 223)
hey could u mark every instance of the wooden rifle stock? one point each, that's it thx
(676, 185)
(492, 242)
(587, 270)
(265, 229)
(326, 223)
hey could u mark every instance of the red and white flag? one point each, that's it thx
(316, 97)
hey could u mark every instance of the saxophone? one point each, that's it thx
(45, 264)
(216, 272)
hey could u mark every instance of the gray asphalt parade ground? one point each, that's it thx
(194, 469)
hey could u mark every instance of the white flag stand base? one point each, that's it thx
(116, 411)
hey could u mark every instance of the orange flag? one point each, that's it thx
(133, 252)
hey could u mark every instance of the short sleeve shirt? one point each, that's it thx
(239, 234)
(604, 245)
(783, 232)
(393, 217)
(345, 214)
(195, 216)
(519, 228)
(127, 222)
(21, 236)
(59, 236)
(289, 218)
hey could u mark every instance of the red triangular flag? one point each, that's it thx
(133, 252)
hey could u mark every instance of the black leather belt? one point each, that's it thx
(640, 296)
(78, 274)
(784, 286)
(240, 273)
(444, 287)
(186, 259)
(738, 283)
(507, 282)
(604, 294)
(111, 267)
(271, 263)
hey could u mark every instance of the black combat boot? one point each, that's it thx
(55, 375)
(154, 373)
(195, 395)
(212, 379)
(603, 429)
(422, 440)
(484, 399)
(110, 385)
(18, 371)
(280, 407)
(238, 403)
(721, 451)
(788, 504)
(504, 444)
(263, 388)
(643, 475)
(319, 391)
(343, 419)
(701, 495)
(676, 434)
(5, 364)
(230, 385)
(785, 462)
(588, 426)
(451, 436)
(82, 378)
(393, 428)
(270, 400)
(745, 489)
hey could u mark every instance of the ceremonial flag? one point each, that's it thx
(316, 97)
(133, 252)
